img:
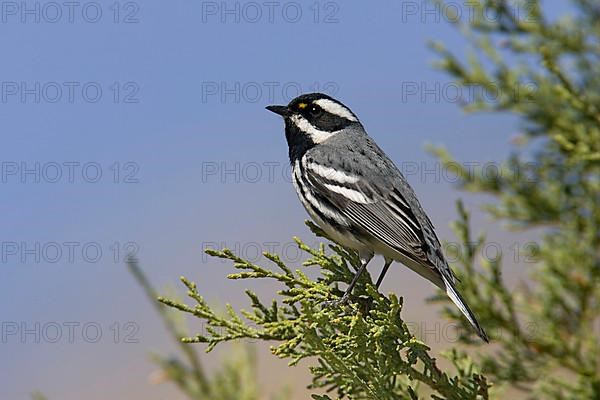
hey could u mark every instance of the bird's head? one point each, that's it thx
(312, 118)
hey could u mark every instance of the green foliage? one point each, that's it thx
(236, 378)
(363, 351)
(548, 337)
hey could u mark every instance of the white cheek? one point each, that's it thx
(316, 135)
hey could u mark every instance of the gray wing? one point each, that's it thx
(382, 205)
(371, 193)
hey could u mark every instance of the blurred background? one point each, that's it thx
(139, 127)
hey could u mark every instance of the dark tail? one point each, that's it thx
(464, 308)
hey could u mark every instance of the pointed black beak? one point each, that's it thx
(281, 110)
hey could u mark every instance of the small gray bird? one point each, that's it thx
(356, 194)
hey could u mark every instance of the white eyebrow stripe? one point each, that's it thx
(316, 135)
(336, 109)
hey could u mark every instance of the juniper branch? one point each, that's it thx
(365, 351)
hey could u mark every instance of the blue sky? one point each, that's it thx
(162, 108)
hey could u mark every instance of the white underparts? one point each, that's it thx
(308, 200)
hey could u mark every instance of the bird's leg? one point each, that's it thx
(365, 260)
(387, 264)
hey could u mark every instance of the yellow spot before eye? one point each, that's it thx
(302, 106)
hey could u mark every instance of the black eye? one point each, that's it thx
(315, 111)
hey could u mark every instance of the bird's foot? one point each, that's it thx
(336, 303)
(365, 302)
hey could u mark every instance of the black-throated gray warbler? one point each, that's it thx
(356, 194)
